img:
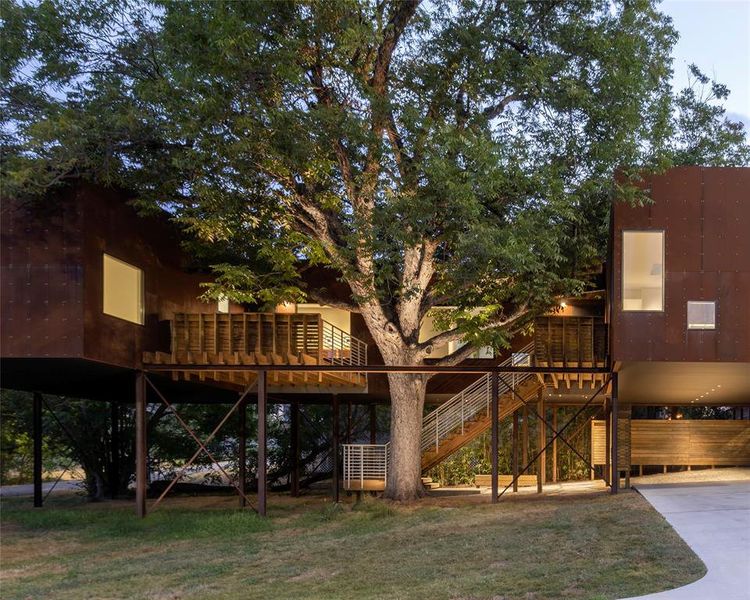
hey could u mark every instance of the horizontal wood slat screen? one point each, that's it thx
(686, 442)
(679, 442)
(598, 442)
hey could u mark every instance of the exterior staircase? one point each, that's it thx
(466, 415)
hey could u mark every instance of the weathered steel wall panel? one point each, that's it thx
(705, 214)
(41, 278)
(52, 277)
(151, 244)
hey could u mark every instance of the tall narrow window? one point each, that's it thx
(643, 270)
(123, 290)
(701, 315)
(222, 306)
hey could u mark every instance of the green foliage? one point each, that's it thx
(362, 135)
(476, 457)
(704, 135)
(16, 443)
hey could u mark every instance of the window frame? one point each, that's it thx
(142, 292)
(663, 270)
(687, 315)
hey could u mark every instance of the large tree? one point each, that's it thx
(442, 153)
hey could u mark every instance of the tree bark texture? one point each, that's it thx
(404, 467)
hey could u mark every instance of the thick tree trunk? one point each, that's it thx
(404, 468)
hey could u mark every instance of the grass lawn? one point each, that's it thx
(588, 546)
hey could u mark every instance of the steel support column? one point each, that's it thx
(525, 435)
(335, 446)
(141, 444)
(242, 450)
(542, 433)
(349, 422)
(608, 443)
(615, 482)
(541, 466)
(495, 401)
(554, 445)
(294, 448)
(37, 435)
(515, 450)
(114, 450)
(373, 424)
(262, 401)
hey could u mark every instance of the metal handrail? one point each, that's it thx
(370, 461)
(341, 348)
(365, 462)
(466, 405)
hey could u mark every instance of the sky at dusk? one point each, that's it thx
(715, 35)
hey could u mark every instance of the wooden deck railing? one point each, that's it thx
(305, 336)
(570, 341)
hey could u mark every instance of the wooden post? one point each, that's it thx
(495, 400)
(294, 446)
(554, 445)
(615, 481)
(335, 445)
(373, 424)
(515, 450)
(242, 451)
(37, 435)
(114, 450)
(262, 399)
(141, 444)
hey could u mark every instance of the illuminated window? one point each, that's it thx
(223, 305)
(643, 270)
(123, 290)
(701, 315)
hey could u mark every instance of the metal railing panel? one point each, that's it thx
(454, 414)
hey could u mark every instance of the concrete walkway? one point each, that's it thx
(714, 519)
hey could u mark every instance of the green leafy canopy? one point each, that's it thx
(444, 153)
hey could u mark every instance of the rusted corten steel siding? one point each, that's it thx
(41, 278)
(705, 214)
(52, 270)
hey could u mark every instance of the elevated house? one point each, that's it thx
(98, 302)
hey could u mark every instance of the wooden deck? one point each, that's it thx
(257, 339)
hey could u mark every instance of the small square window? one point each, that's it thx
(701, 315)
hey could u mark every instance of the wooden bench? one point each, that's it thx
(504, 480)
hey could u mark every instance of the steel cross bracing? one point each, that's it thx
(555, 433)
(202, 445)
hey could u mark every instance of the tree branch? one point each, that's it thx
(456, 334)
(497, 109)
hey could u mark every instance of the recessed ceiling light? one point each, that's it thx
(718, 385)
